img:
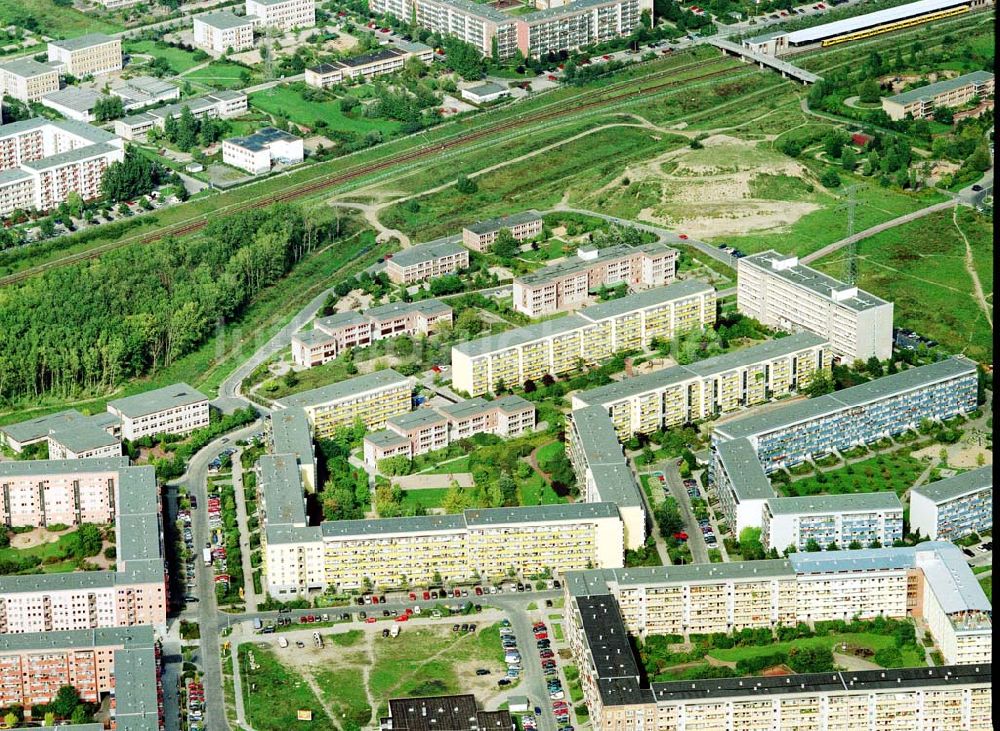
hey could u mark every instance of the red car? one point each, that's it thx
(440, 51)
(402, 617)
(541, 636)
(546, 654)
(413, 597)
(479, 591)
(458, 592)
(681, 536)
(561, 66)
(552, 78)
(606, 57)
(683, 237)
(426, 595)
(384, 30)
(371, 620)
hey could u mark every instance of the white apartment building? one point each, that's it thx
(377, 63)
(782, 293)
(266, 147)
(570, 283)
(223, 104)
(42, 161)
(83, 441)
(176, 409)
(28, 80)
(595, 333)
(284, 15)
(142, 91)
(427, 261)
(223, 32)
(847, 521)
(522, 226)
(955, 507)
(90, 54)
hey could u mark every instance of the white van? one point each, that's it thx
(282, 642)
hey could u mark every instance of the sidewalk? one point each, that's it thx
(241, 517)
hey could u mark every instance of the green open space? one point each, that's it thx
(426, 498)
(868, 641)
(286, 101)
(534, 490)
(279, 694)
(987, 583)
(55, 19)
(58, 556)
(179, 59)
(921, 268)
(460, 464)
(218, 75)
(343, 691)
(895, 471)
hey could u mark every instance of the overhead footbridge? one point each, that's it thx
(783, 67)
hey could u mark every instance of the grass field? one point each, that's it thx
(278, 694)
(896, 471)
(427, 498)
(218, 75)
(536, 491)
(550, 451)
(56, 21)
(864, 640)
(987, 584)
(287, 101)
(920, 267)
(179, 59)
(65, 543)
(460, 464)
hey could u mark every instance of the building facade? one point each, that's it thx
(284, 15)
(369, 65)
(594, 334)
(427, 261)
(28, 80)
(176, 409)
(522, 226)
(257, 153)
(955, 507)
(223, 104)
(846, 521)
(920, 103)
(782, 293)
(87, 55)
(568, 284)
(223, 32)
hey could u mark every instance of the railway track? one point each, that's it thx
(607, 97)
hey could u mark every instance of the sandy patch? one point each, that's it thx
(36, 537)
(733, 218)
(354, 302)
(968, 458)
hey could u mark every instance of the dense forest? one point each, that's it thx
(87, 327)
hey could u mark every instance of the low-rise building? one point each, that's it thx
(782, 293)
(176, 409)
(485, 93)
(569, 283)
(284, 15)
(344, 331)
(142, 91)
(83, 441)
(28, 80)
(224, 32)
(846, 521)
(592, 335)
(73, 102)
(955, 507)
(258, 152)
(377, 63)
(86, 55)
(507, 416)
(452, 712)
(920, 103)
(427, 261)
(522, 226)
(34, 431)
(222, 104)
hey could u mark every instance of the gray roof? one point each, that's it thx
(367, 58)
(570, 8)
(486, 12)
(427, 252)
(540, 513)
(84, 41)
(953, 583)
(135, 637)
(262, 138)
(940, 87)
(868, 20)
(386, 378)
(341, 319)
(75, 98)
(953, 487)
(495, 224)
(412, 46)
(867, 559)
(313, 337)
(666, 377)
(383, 526)
(512, 402)
(468, 407)
(600, 581)
(281, 485)
(39, 427)
(578, 264)
(646, 298)
(386, 438)
(747, 477)
(136, 694)
(880, 388)
(148, 85)
(400, 309)
(160, 399)
(87, 131)
(290, 434)
(603, 454)
(416, 419)
(82, 437)
(70, 156)
(27, 67)
(62, 466)
(813, 280)
(521, 335)
(224, 20)
(856, 502)
(485, 89)
(13, 175)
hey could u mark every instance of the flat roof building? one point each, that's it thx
(485, 93)
(284, 15)
(86, 55)
(73, 102)
(259, 152)
(955, 507)
(522, 226)
(920, 103)
(782, 293)
(223, 32)
(142, 91)
(427, 261)
(443, 713)
(175, 409)
(82, 441)
(847, 521)
(28, 80)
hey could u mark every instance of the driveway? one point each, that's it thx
(696, 540)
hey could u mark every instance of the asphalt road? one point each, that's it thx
(696, 540)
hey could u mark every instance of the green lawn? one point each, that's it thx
(218, 75)
(346, 639)
(66, 544)
(920, 267)
(278, 695)
(426, 498)
(552, 249)
(179, 59)
(550, 451)
(344, 692)
(536, 491)
(288, 101)
(461, 464)
(896, 471)
(874, 642)
(987, 584)
(56, 20)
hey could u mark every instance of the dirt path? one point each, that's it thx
(370, 212)
(970, 267)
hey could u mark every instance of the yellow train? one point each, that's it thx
(898, 25)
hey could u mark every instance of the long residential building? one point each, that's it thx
(920, 103)
(481, 235)
(425, 430)
(87, 55)
(427, 261)
(221, 104)
(17, 437)
(846, 521)
(334, 335)
(782, 293)
(176, 409)
(704, 389)
(745, 450)
(71, 492)
(42, 161)
(594, 334)
(560, 27)
(283, 15)
(954, 507)
(569, 283)
(370, 399)
(378, 63)
(603, 608)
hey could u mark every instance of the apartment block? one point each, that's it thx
(603, 472)
(568, 284)
(707, 388)
(371, 399)
(369, 65)
(259, 152)
(122, 664)
(42, 161)
(83, 441)
(836, 422)
(429, 429)
(592, 335)
(334, 335)
(861, 519)
(223, 32)
(28, 80)
(955, 507)
(90, 54)
(223, 104)
(427, 261)
(283, 15)
(290, 434)
(71, 492)
(782, 293)
(176, 409)
(920, 103)
(522, 226)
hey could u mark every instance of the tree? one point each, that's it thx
(10, 720)
(529, 386)
(108, 107)
(506, 246)
(67, 698)
(849, 159)
(869, 92)
(465, 185)
(751, 547)
(74, 204)
(134, 176)
(830, 179)
(820, 385)
(944, 115)
(468, 322)
(812, 546)
(348, 103)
